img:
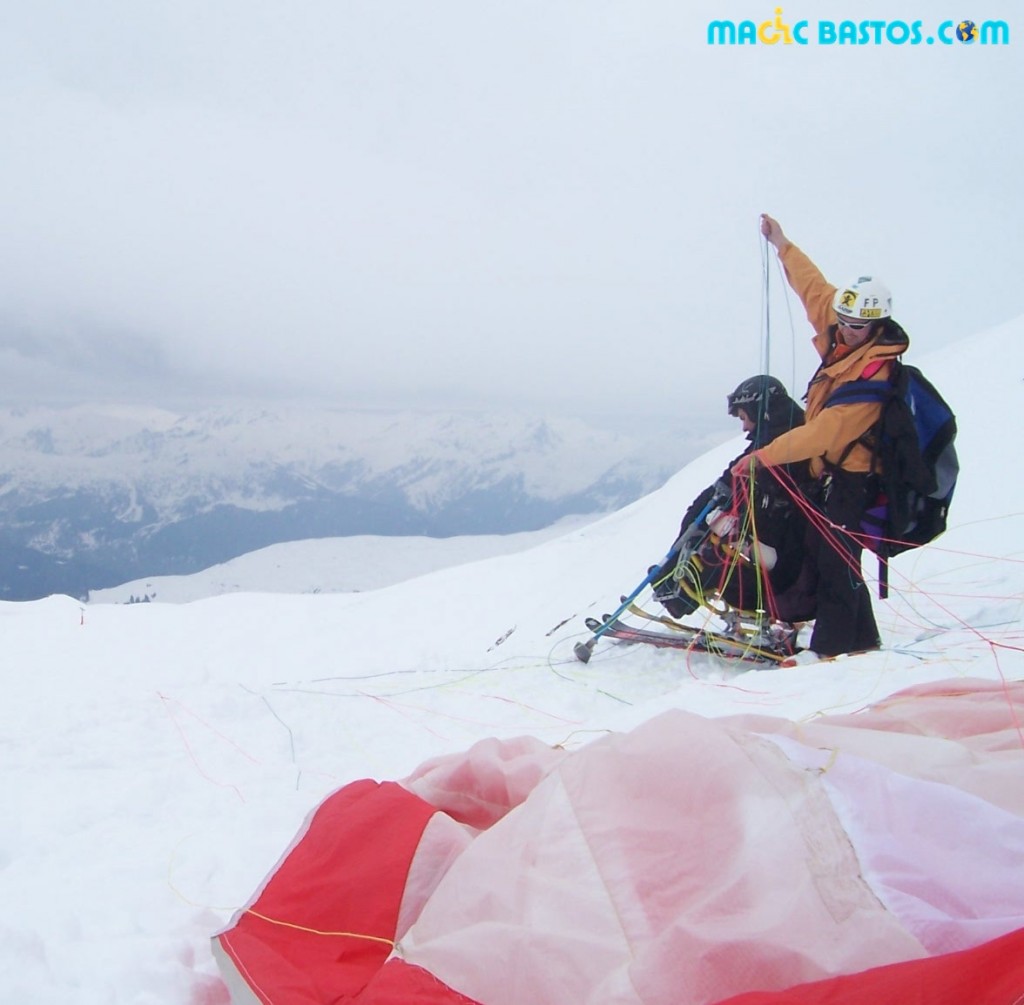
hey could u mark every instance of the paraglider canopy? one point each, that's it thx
(690, 860)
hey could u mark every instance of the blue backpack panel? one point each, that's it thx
(914, 444)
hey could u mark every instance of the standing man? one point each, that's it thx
(857, 339)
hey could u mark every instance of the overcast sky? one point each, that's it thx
(444, 201)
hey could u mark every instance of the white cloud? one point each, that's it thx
(455, 199)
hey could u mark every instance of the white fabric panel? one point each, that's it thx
(684, 856)
(442, 842)
(480, 786)
(949, 865)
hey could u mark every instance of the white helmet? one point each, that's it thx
(867, 299)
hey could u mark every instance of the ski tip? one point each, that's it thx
(582, 652)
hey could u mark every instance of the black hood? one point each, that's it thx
(773, 419)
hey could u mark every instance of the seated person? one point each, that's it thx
(751, 556)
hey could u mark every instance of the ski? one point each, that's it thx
(745, 626)
(682, 637)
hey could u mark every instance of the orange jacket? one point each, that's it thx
(827, 432)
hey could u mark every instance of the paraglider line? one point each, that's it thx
(317, 931)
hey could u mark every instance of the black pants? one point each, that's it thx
(845, 621)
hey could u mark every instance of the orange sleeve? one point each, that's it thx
(827, 435)
(816, 293)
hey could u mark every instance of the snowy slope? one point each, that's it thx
(158, 758)
(330, 565)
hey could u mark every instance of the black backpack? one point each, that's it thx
(914, 441)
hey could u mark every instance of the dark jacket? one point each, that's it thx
(773, 506)
(777, 521)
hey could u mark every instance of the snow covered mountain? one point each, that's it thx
(96, 495)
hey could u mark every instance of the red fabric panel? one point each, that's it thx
(872, 368)
(401, 983)
(989, 974)
(346, 874)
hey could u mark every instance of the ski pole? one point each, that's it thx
(582, 650)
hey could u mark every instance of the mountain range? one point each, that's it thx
(96, 495)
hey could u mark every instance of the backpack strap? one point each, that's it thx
(855, 391)
(864, 389)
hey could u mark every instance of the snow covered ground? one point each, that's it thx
(157, 759)
(331, 565)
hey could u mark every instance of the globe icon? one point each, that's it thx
(967, 31)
